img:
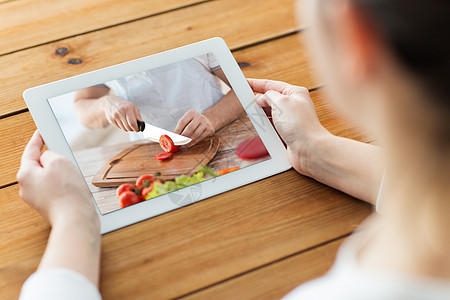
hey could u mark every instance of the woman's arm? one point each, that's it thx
(350, 166)
(55, 188)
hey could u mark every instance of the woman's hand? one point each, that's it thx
(195, 126)
(121, 113)
(53, 186)
(293, 115)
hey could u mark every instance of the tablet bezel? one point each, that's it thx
(37, 101)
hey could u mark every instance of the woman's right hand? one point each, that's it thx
(293, 114)
(121, 113)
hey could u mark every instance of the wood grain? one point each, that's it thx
(276, 279)
(138, 159)
(60, 19)
(246, 243)
(15, 131)
(197, 245)
(282, 59)
(229, 19)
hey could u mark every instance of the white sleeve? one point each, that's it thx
(58, 284)
(209, 61)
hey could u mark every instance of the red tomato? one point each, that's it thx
(251, 149)
(147, 190)
(144, 180)
(227, 170)
(163, 155)
(128, 198)
(123, 188)
(167, 144)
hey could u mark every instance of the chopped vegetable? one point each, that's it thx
(148, 186)
(128, 198)
(227, 170)
(170, 186)
(163, 155)
(208, 170)
(167, 144)
(148, 189)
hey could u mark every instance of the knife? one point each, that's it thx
(153, 133)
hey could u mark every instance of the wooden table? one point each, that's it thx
(258, 241)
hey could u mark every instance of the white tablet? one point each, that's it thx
(224, 138)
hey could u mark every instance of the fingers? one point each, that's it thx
(199, 135)
(122, 113)
(262, 100)
(262, 86)
(130, 122)
(194, 125)
(184, 121)
(131, 119)
(191, 127)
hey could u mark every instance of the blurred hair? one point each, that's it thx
(418, 33)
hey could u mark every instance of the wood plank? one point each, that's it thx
(274, 280)
(16, 130)
(240, 23)
(282, 59)
(6, 1)
(195, 246)
(53, 20)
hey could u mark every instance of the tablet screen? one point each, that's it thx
(191, 97)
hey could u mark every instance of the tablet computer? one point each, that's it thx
(223, 139)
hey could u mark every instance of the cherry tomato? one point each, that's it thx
(163, 155)
(128, 198)
(147, 190)
(227, 170)
(123, 188)
(144, 180)
(167, 144)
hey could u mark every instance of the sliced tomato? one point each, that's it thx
(128, 198)
(251, 149)
(163, 155)
(144, 180)
(147, 190)
(227, 170)
(123, 188)
(167, 144)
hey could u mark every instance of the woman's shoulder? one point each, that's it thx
(348, 280)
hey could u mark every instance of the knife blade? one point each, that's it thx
(153, 133)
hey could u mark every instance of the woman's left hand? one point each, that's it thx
(53, 186)
(195, 126)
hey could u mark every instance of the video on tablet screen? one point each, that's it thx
(154, 132)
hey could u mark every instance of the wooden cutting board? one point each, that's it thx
(138, 159)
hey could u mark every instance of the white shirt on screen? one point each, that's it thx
(163, 95)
